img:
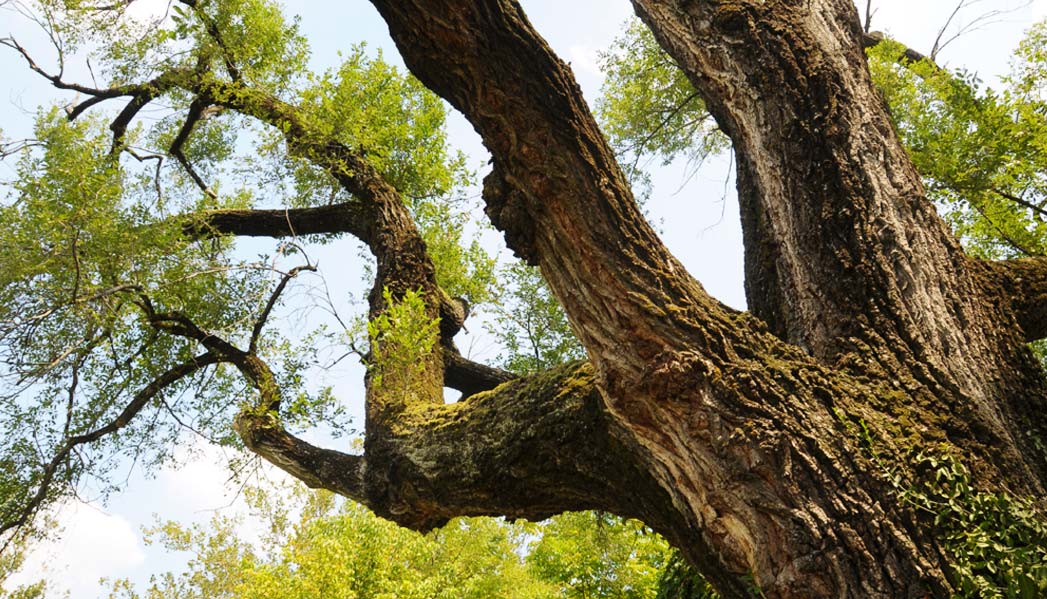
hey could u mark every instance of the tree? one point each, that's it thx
(317, 546)
(810, 447)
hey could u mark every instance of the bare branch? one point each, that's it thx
(987, 18)
(869, 12)
(196, 111)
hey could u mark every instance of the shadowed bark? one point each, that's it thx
(730, 433)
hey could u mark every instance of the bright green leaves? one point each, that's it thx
(649, 108)
(80, 250)
(592, 555)
(998, 542)
(339, 549)
(336, 548)
(248, 39)
(402, 339)
(400, 128)
(982, 153)
(367, 104)
(530, 324)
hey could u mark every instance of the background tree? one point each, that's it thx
(314, 545)
(794, 451)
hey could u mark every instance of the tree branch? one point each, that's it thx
(875, 38)
(546, 449)
(259, 324)
(471, 377)
(196, 111)
(349, 217)
(23, 514)
(1023, 284)
(212, 30)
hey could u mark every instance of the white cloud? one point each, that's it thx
(93, 544)
(584, 59)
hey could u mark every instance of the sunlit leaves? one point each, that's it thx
(530, 324)
(79, 252)
(649, 108)
(591, 555)
(318, 546)
(337, 548)
(402, 338)
(982, 152)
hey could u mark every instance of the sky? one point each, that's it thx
(696, 214)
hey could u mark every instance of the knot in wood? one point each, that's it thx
(507, 207)
(673, 374)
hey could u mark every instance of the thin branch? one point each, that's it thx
(1020, 201)
(212, 30)
(665, 121)
(982, 20)
(264, 316)
(1003, 234)
(133, 408)
(196, 111)
(159, 163)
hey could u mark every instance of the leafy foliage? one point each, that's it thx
(95, 233)
(592, 555)
(982, 152)
(649, 108)
(530, 323)
(401, 339)
(315, 545)
(998, 541)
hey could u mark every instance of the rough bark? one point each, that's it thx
(729, 433)
(846, 260)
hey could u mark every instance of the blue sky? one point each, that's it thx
(697, 217)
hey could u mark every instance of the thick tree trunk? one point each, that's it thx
(749, 468)
(729, 433)
(732, 434)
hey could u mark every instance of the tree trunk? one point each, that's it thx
(730, 433)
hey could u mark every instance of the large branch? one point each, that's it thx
(841, 244)
(349, 217)
(530, 448)
(556, 189)
(1023, 285)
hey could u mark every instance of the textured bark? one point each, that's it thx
(1023, 284)
(874, 312)
(730, 433)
